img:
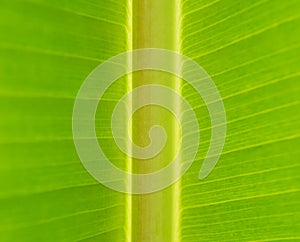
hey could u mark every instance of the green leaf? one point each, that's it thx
(251, 51)
(47, 50)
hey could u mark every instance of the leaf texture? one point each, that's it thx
(251, 51)
(47, 50)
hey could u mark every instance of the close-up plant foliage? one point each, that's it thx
(250, 50)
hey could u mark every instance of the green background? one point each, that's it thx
(250, 49)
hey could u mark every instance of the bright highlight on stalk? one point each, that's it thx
(94, 87)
